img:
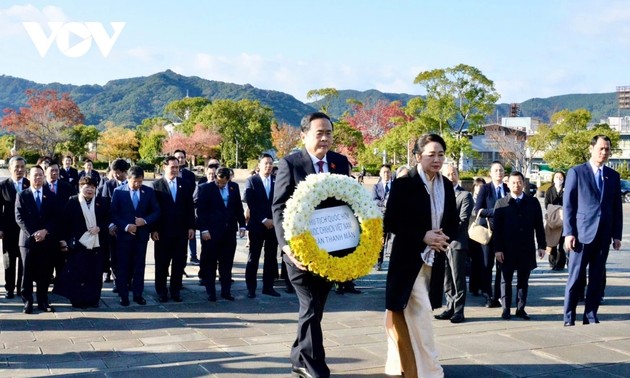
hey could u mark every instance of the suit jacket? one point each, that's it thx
(63, 193)
(71, 176)
(258, 203)
(464, 205)
(213, 215)
(188, 176)
(379, 196)
(516, 226)
(586, 211)
(95, 175)
(176, 217)
(30, 219)
(74, 226)
(407, 216)
(291, 170)
(486, 199)
(552, 197)
(122, 212)
(8, 224)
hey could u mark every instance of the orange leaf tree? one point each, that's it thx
(284, 138)
(118, 142)
(202, 142)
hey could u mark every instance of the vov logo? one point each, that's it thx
(63, 33)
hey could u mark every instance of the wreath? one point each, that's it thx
(297, 215)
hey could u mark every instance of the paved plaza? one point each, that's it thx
(252, 337)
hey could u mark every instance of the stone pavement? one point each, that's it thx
(252, 337)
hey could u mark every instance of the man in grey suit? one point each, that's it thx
(455, 274)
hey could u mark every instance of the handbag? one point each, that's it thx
(479, 233)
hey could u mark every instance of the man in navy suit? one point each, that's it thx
(134, 210)
(9, 229)
(88, 169)
(592, 220)
(192, 178)
(174, 228)
(68, 173)
(380, 193)
(488, 195)
(307, 353)
(258, 196)
(36, 213)
(220, 215)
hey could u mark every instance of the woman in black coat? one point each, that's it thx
(85, 222)
(553, 196)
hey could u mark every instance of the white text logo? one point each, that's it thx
(63, 33)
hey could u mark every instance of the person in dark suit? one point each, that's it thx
(68, 173)
(593, 218)
(553, 196)
(173, 229)
(134, 210)
(36, 213)
(82, 237)
(9, 229)
(415, 281)
(119, 168)
(380, 193)
(88, 169)
(455, 274)
(488, 195)
(518, 221)
(184, 173)
(219, 213)
(258, 196)
(307, 353)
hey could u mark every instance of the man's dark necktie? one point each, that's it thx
(320, 164)
(38, 200)
(600, 180)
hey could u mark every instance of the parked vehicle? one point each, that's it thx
(533, 188)
(625, 191)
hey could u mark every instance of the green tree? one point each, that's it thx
(184, 111)
(244, 127)
(458, 100)
(150, 149)
(324, 94)
(347, 140)
(77, 139)
(6, 144)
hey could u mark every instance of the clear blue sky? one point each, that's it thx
(529, 49)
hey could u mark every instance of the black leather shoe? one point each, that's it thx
(491, 303)
(271, 292)
(124, 302)
(300, 372)
(227, 297)
(9, 295)
(163, 298)
(352, 290)
(45, 307)
(139, 300)
(506, 315)
(457, 318)
(177, 298)
(339, 290)
(446, 315)
(569, 324)
(28, 307)
(289, 289)
(212, 298)
(251, 294)
(522, 314)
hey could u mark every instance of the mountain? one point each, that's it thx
(129, 101)
(339, 105)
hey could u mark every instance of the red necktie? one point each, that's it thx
(52, 188)
(320, 164)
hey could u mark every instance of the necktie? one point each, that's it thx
(518, 199)
(387, 187)
(52, 188)
(600, 180)
(499, 192)
(38, 200)
(224, 195)
(320, 164)
(267, 185)
(134, 199)
(18, 187)
(173, 188)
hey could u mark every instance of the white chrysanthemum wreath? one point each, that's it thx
(297, 215)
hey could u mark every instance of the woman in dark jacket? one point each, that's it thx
(85, 220)
(553, 196)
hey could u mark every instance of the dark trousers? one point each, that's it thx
(130, 260)
(522, 287)
(170, 251)
(557, 256)
(455, 280)
(192, 245)
(218, 250)
(594, 256)
(486, 276)
(13, 267)
(476, 266)
(37, 267)
(307, 350)
(270, 264)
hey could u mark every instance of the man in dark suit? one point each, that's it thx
(455, 273)
(518, 221)
(380, 193)
(174, 228)
(88, 169)
(488, 196)
(220, 215)
(134, 210)
(307, 352)
(189, 176)
(9, 229)
(593, 218)
(36, 213)
(68, 173)
(258, 196)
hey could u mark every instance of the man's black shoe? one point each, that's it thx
(9, 295)
(251, 294)
(163, 298)
(177, 297)
(506, 314)
(228, 297)
(45, 307)
(212, 298)
(352, 290)
(28, 307)
(300, 372)
(457, 318)
(289, 289)
(446, 315)
(569, 324)
(271, 292)
(522, 314)
(140, 300)
(124, 302)
(491, 303)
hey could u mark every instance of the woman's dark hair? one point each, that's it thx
(87, 180)
(426, 139)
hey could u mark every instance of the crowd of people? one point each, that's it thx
(78, 230)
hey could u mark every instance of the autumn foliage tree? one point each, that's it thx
(375, 121)
(41, 125)
(285, 138)
(201, 143)
(118, 142)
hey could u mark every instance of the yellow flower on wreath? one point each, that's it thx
(297, 214)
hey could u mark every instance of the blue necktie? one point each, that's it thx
(173, 189)
(134, 199)
(387, 187)
(224, 195)
(600, 180)
(38, 200)
(498, 192)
